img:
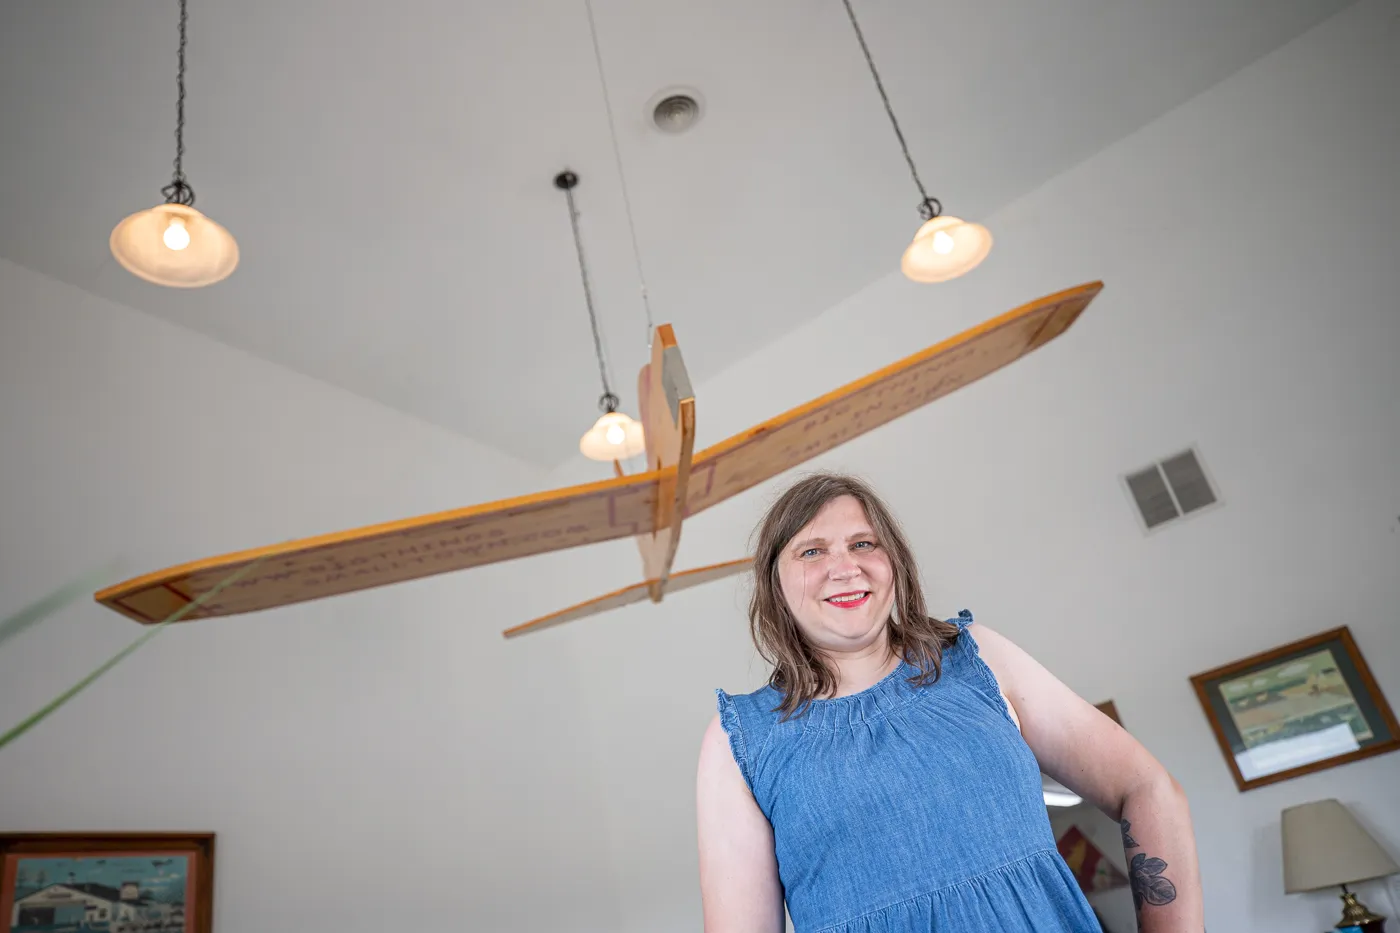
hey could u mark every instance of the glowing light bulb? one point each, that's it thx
(942, 242)
(614, 436)
(176, 236)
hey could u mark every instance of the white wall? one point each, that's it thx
(1248, 245)
(382, 761)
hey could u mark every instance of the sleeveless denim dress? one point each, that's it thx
(905, 809)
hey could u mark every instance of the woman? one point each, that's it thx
(888, 778)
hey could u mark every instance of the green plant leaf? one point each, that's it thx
(43, 713)
(48, 605)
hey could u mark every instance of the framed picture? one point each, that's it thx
(116, 882)
(1299, 708)
(1109, 709)
(1093, 870)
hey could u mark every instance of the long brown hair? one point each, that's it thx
(800, 672)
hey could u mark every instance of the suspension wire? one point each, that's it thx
(179, 191)
(568, 180)
(617, 156)
(930, 207)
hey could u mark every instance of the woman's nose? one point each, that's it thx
(843, 567)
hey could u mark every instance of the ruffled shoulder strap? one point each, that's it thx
(982, 677)
(749, 724)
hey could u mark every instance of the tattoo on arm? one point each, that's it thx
(1145, 874)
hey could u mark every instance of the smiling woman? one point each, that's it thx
(888, 776)
(835, 567)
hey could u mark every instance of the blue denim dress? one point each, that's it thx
(905, 809)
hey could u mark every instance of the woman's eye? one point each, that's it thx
(810, 552)
(864, 544)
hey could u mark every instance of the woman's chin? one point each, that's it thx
(851, 632)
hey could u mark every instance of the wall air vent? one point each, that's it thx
(1169, 489)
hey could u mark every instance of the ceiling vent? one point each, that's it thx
(675, 110)
(1170, 489)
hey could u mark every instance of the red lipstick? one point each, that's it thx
(851, 600)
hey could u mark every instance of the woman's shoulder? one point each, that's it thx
(743, 722)
(761, 698)
(752, 712)
(992, 657)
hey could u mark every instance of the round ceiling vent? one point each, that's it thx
(675, 110)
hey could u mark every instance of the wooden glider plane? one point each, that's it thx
(650, 506)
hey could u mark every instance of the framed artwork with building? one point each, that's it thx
(159, 882)
(1298, 708)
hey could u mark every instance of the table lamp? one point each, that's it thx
(1324, 847)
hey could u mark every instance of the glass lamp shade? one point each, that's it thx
(945, 248)
(614, 436)
(175, 245)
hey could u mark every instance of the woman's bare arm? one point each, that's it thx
(1096, 758)
(740, 891)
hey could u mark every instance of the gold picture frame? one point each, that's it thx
(1302, 707)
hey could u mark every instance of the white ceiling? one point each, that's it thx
(387, 168)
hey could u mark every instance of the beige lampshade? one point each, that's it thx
(945, 248)
(175, 245)
(1324, 847)
(614, 436)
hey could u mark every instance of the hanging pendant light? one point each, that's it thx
(172, 243)
(614, 436)
(944, 247)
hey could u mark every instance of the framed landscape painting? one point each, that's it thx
(1301, 707)
(113, 882)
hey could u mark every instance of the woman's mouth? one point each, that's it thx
(850, 600)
